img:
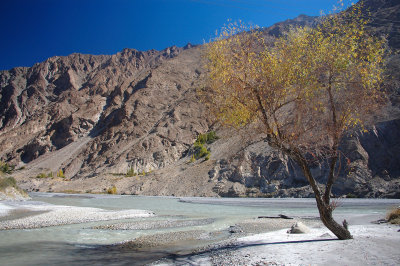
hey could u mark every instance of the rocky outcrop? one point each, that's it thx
(280, 28)
(370, 167)
(298, 228)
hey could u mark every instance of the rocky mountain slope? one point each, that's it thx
(102, 118)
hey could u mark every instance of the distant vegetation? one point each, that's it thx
(6, 168)
(60, 174)
(208, 138)
(43, 175)
(7, 182)
(131, 172)
(351, 196)
(112, 190)
(199, 148)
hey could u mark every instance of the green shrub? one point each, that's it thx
(211, 137)
(41, 175)
(200, 150)
(44, 175)
(6, 168)
(112, 190)
(351, 196)
(393, 216)
(130, 172)
(206, 138)
(8, 182)
(192, 159)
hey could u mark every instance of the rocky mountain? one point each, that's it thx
(279, 28)
(131, 102)
(104, 119)
(384, 16)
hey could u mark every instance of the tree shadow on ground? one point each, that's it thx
(193, 258)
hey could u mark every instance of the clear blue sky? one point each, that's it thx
(33, 30)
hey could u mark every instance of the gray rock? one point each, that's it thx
(298, 228)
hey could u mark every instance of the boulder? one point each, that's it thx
(298, 228)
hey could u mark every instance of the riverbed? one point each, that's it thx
(186, 223)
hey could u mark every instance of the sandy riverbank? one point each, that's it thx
(372, 245)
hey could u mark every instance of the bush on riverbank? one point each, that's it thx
(393, 216)
(9, 190)
(112, 190)
(7, 182)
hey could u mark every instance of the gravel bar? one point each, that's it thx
(149, 225)
(62, 215)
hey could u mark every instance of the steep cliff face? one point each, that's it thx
(97, 117)
(369, 167)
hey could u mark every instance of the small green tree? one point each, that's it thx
(6, 168)
(305, 91)
(41, 175)
(60, 173)
(130, 172)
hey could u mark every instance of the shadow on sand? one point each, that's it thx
(193, 258)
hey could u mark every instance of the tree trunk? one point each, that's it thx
(325, 213)
(324, 208)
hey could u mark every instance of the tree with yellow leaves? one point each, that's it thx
(306, 89)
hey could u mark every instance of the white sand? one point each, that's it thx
(59, 215)
(372, 245)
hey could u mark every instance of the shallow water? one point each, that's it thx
(78, 244)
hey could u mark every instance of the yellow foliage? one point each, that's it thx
(60, 173)
(112, 190)
(308, 87)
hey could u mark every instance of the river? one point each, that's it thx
(80, 244)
